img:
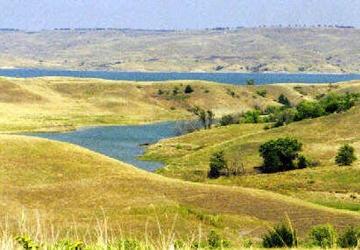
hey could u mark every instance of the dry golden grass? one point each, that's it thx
(72, 188)
(60, 103)
(245, 49)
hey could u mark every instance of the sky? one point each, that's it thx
(174, 14)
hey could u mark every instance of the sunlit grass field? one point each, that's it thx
(65, 191)
(187, 157)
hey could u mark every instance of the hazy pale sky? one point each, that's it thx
(174, 14)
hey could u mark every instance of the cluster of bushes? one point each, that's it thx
(213, 241)
(324, 236)
(283, 155)
(253, 116)
(278, 155)
(282, 235)
(219, 166)
(332, 103)
(285, 114)
(261, 92)
(176, 91)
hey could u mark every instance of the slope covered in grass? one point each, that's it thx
(71, 188)
(60, 103)
(326, 184)
(243, 49)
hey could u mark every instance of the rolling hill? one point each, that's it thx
(242, 50)
(60, 103)
(187, 158)
(71, 189)
(47, 185)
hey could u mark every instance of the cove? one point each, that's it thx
(124, 143)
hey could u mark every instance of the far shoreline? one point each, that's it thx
(4, 68)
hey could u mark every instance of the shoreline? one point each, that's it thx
(177, 72)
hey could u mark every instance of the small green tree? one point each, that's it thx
(303, 162)
(323, 236)
(228, 119)
(175, 90)
(279, 154)
(210, 118)
(261, 92)
(283, 117)
(251, 117)
(206, 117)
(307, 109)
(280, 236)
(218, 164)
(346, 156)
(284, 100)
(350, 238)
(215, 241)
(188, 89)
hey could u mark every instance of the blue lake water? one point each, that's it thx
(119, 142)
(231, 78)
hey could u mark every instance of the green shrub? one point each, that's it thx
(338, 103)
(160, 92)
(27, 243)
(281, 235)
(282, 117)
(279, 154)
(272, 109)
(307, 109)
(303, 162)
(188, 89)
(350, 238)
(129, 244)
(284, 100)
(251, 117)
(323, 236)
(346, 156)
(69, 245)
(175, 91)
(261, 92)
(231, 92)
(215, 241)
(218, 165)
(228, 120)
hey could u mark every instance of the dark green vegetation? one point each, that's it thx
(220, 167)
(324, 236)
(241, 50)
(315, 176)
(285, 114)
(282, 235)
(279, 154)
(346, 156)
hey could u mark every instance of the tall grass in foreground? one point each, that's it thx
(32, 233)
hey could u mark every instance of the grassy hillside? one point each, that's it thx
(187, 157)
(72, 189)
(55, 103)
(245, 49)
